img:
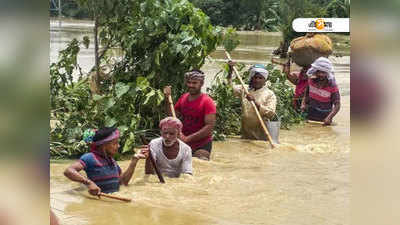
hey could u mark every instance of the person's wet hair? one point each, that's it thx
(103, 133)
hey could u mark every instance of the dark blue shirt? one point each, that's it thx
(102, 170)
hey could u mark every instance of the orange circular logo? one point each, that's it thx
(320, 24)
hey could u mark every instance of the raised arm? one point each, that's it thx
(167, 94)
(292, 77)
(127, 174)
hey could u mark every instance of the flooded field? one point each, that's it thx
(305, 181)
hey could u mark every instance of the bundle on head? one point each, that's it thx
(306, 49)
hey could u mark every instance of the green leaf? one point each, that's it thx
(121, 88)
(151, 75)
(110, 102)
(134, 121)
(160, 97)
(122, 129)
(148, 96)
(110, 121)
(142, 83)
(98, 97)
(128, 143)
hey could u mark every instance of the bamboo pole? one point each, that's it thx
(171, 106)
(320, 123)
(114, 197)
(153, 162)
(253, 104)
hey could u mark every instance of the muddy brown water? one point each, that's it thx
(304, 181)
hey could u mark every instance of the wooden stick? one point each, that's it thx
(253, 104)
(115, 197)
(276, 62)
(171, 106)
(153, 162)
(315, 122)
(320, 123)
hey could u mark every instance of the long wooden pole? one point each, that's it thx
(114, 197)
(321, 123)
(153, 162)
(253, 104)
(171, 106)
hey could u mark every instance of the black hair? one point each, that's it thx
(197, 70)
(103, 133)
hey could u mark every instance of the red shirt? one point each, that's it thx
(302, 85)
(193, 113)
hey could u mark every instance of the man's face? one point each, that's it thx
(111, 147)
(258, 81)
(170, 135)
(321, 75)
(194, 86)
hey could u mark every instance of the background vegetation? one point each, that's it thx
(159, 40)
(268, 15)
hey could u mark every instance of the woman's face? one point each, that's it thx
(169, 135)
(258, 81)
(111, 147)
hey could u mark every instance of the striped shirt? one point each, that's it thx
(321, 99)
(103, 171)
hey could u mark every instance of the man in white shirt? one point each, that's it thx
(172, 156)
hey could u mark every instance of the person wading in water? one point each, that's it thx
(263, 97)
(322, 98)
(197, 111)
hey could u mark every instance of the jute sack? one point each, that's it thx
(306, 49)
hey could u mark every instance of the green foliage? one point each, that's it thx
(229, 107)
(292, 9)
(284, 94)
(159, 41)
(241, 14)
(231, 39)
(338, 8)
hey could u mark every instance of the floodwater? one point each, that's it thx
(304, 181)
